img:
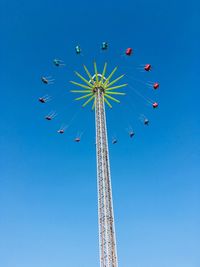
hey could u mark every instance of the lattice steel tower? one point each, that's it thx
(98, 89)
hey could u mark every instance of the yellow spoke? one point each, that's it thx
(83, 79)
(115, 93)
(88, 101)
(85, 96)
(88, 73)
(107, 102)
(109, 84)
(94, 104)
(96, 73)
(110, 76)
(81, 85)
(80, 91)
(112, 98)
(103, 73)
(116, 87)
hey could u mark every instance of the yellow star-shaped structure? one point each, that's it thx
(98, 81)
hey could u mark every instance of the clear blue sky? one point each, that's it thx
(48, 205)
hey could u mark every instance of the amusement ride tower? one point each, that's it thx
(100, 90)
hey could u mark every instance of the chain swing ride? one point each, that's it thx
(101, 89)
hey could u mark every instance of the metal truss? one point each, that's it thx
(107, 239)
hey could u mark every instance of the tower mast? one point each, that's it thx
(107, 239)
